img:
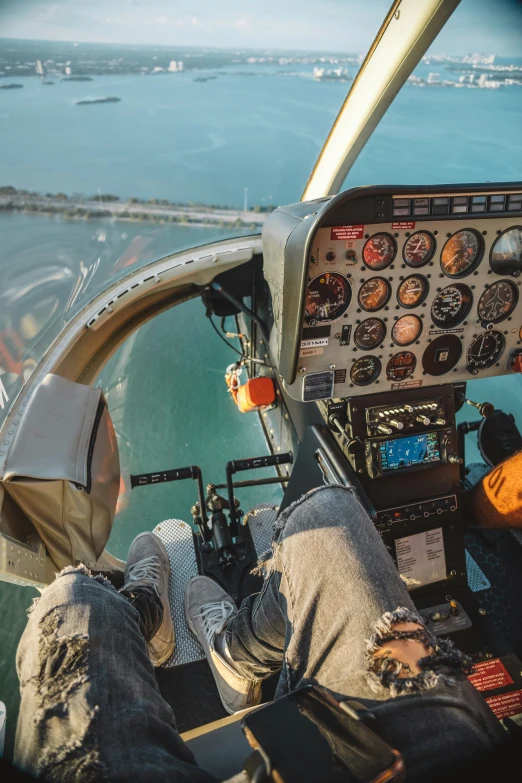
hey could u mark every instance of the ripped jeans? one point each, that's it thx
(91, 709)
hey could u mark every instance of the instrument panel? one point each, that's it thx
(402, 303)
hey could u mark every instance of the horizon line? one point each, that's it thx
(226, 48)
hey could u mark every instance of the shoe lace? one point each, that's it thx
(214, 617)
(146, 570)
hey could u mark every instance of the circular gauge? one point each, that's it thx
(401, 366)
(506, 254)
(379, 251)
(365, 370)
(369, 334)
(413, 291)
(328, 297)
(374, 294)
(419, 248)
(497, 302)
(451, 306)
(485, 350)
(406, 330)
(442, 354)
(462, 253)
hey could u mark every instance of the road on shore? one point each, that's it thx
(116, 208)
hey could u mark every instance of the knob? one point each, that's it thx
(454, 459)
(439, 422)
(423, 420)
(408, 408)
(485, 408)
(355, 446)
(385, 429)
(454, 608)
(397, 424)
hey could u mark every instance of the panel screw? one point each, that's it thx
(482, 612)
(302, 369)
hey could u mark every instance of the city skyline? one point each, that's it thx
(342, 25)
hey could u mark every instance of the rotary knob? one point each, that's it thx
(396, 423)
(385, 429)
(423, 420)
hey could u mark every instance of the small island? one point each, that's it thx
(77, 79)
(87, 101)
(11, 86)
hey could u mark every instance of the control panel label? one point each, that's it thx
(347, 232)
(421, 559)
(317, 342)
(311, 351)
(405, 225)
(490, 675)
(507, 705)
(318, 386)
(406, 384)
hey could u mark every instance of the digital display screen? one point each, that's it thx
(410, 451)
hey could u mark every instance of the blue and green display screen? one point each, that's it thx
(410, 451)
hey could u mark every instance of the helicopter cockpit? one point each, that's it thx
(362, 317)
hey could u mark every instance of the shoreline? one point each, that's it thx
(158, 211)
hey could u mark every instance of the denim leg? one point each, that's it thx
(90, 707)
(331, 597)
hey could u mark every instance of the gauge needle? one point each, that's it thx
(481, 345)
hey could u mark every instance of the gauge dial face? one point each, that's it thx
(369, 334)
(462, 253)
(413, 291)
(506, 254)
(365, 370)
(374, 294)
(497, 302)
(401, 366)
(419, 248)
(379, 251)
(406, 330)
(485, 350)
(451, 306)
(327, 297)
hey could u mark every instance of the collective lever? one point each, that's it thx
(484, 408)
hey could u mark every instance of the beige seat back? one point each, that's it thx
(63, 471)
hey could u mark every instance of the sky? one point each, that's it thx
(333, 25)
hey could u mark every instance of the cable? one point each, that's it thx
(240, 353)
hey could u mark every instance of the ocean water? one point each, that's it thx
(173, 138)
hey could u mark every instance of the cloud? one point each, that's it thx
(242, 24)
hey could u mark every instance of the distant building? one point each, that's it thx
(68, 70)
(39, 68)
(180, 65)
(175, 67)
(433, 78)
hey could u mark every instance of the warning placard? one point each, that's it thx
(490, 675)
(507, 705)
(347, 232)
(405, 225)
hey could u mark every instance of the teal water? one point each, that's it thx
(176, 139)
(173, 138)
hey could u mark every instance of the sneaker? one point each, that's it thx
(147, 567)
(498, 438)
(208, 609)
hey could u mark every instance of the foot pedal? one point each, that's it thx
(178, 539)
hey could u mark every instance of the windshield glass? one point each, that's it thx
(133, 131)
(458, 117)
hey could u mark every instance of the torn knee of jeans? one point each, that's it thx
(63, 667)
(77, 759)
(443, 663)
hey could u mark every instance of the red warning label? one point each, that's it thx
(405, 225)
(507, 705)
(489, 675)
(347, 232)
